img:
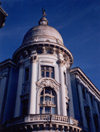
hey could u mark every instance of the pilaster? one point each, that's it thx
(91, 114)
(62, 94)
(19, 90)
(32, 97)
(82, 106)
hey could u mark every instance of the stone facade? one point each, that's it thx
(38, 88)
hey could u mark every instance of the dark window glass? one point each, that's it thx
(47, 74)
(42, 74)
(47, 71)
(95, 117)
(47, 98)
(84, 94)
(41, 110)
(87, 115)
(47, 109)
(91, 98)
(47, 91)
(41, 100)
(26, 74)
(25, 107)
(98, 107)
(52, 74)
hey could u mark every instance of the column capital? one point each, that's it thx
(21, 62)
(61, 62)
(33, 58)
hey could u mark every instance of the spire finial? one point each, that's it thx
(43, 20)
(43, 12)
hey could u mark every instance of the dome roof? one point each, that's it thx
(42, 33)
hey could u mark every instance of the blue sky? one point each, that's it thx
(78, 21)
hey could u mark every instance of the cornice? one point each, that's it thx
(55, 45)
(4, 13)
(85, 80)
(7, 62)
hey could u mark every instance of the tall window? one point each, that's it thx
(95, 117)
(83, 91)
(48, 101)
(87, 115)
(24, 109)
(26, 74)
(47, 71)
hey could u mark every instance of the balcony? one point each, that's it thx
(44, 121)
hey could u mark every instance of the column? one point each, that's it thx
(82, 106)
(91, 113)
(63, 99)
(71, 109)
(3, 83)
(19, 90)
(32, 98)
(58, 103)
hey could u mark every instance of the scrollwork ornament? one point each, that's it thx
(48, 82)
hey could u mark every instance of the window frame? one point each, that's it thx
(51, 104)
(47, 71)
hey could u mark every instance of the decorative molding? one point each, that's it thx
(48, 82)
(61, 62)
(46, 62)
(33, 59)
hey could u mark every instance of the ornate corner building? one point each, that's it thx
(40, 92)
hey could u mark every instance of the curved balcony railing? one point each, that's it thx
(43, 118)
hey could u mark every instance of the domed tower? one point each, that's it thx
(43, 98)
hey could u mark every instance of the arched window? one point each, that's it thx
(48, 101)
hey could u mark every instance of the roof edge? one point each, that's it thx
(83, 76)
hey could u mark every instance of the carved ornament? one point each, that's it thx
(48, 82)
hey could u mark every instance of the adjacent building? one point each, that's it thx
(40, 92)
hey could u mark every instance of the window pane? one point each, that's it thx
(47, 98)
(41, 110)
(47, 74)
(52, 74)
(53, 100)
(42, 92)
(26, 74)
(24, 107)
(41, 100)
(42, 73)
(47, 91)
(47, 71)
(53, 110)
(47, 109)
